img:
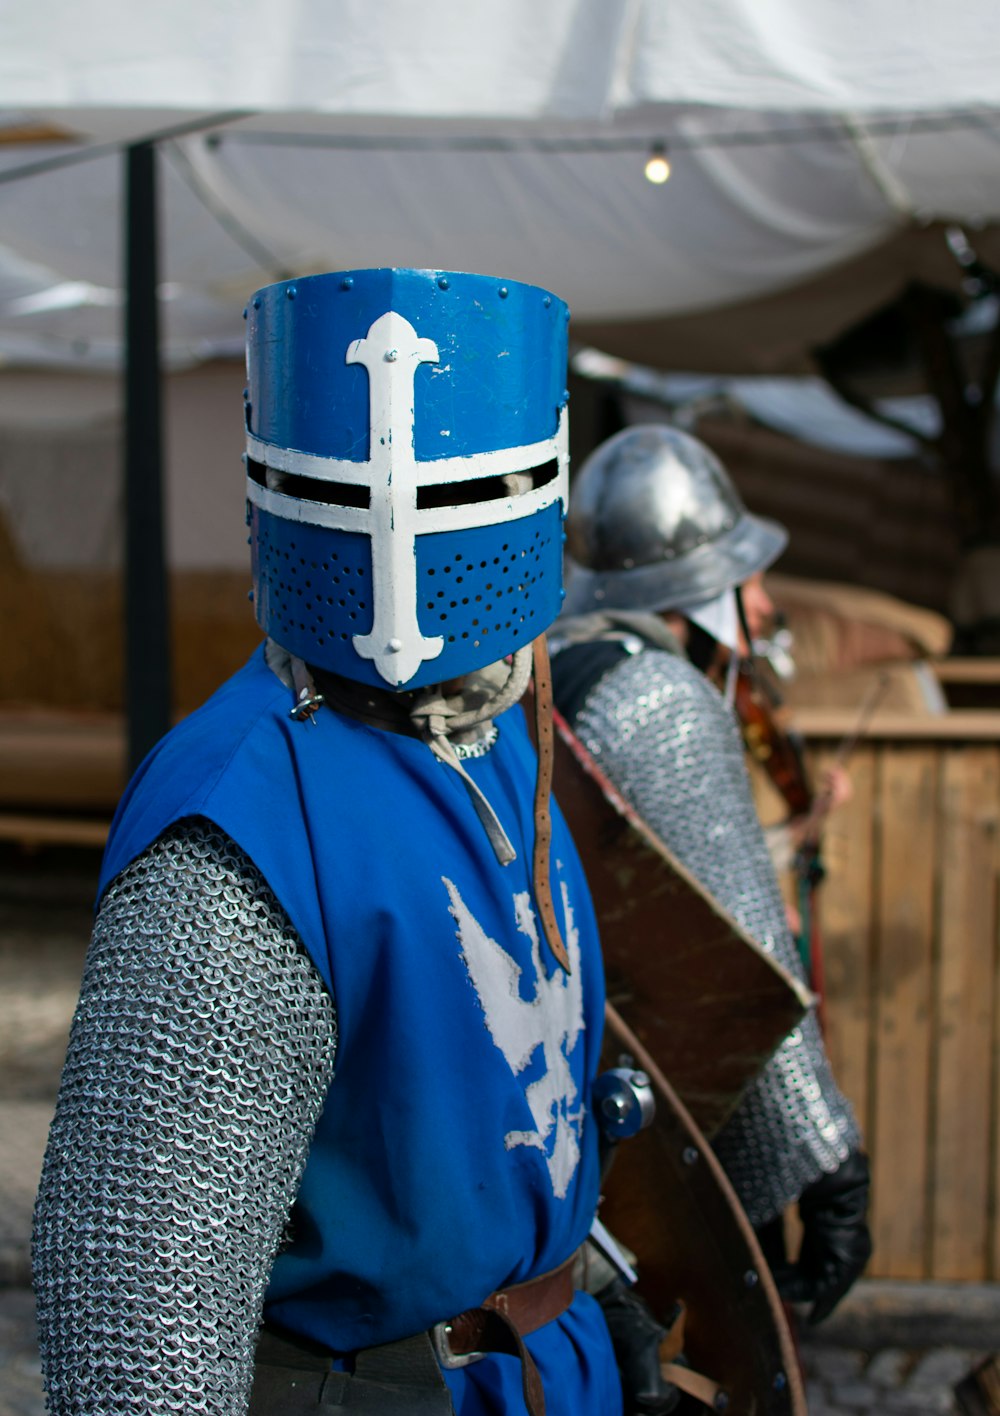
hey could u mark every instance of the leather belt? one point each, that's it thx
(526, 1306)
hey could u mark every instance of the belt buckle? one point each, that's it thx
(441, 1342)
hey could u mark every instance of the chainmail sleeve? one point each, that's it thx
(199, 1059)
(664, 736)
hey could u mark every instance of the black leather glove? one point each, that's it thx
(836, 1242)
(636, 1336)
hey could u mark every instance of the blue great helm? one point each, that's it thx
(407, 469)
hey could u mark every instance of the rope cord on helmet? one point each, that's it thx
(509, 693)
(436, 716)
(436, 737)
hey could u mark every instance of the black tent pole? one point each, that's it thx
(147, 620)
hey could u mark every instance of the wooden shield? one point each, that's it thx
(697, 990)
(668, 1199)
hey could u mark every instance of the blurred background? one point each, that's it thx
(777, 226)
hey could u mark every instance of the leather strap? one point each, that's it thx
(703, 1389)
(504, 1318)
(673, 1344)
(527, 1306)
(680, 1375)
(496, 1333)
(543, 789)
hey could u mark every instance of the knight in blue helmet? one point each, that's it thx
(329, 1075)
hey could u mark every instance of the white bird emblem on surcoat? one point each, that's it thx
(552, 1019)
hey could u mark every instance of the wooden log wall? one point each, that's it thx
(911, 930)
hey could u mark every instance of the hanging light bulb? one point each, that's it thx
(657, 167)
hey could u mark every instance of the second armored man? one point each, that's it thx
(661, 543)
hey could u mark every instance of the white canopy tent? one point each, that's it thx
(503, 135)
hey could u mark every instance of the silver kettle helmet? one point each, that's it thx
(655, 523)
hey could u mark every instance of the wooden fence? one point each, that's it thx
(911, 931)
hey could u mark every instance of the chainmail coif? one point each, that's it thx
(664, 736)
(199, 1059)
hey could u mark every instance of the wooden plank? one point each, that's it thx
(845, 918)
(961, 1159)
(957, 725)
(967, 670)
(900, 1112)
(34, 831)
(61, 762)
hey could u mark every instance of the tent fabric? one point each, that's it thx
(775, 332)
(501, 58)
(501, 137)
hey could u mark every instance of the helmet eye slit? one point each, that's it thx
(543, 474)
(314, 489)
(476, 489)
(484, 489)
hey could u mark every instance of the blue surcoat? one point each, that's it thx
(455, 1153)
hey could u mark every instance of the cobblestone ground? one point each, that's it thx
(42, 946)
(845, 1382)
(45, 916)
(20, 1374)
(45, 919)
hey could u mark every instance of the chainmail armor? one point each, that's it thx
(664, 736)
(200, 1055)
